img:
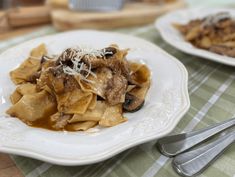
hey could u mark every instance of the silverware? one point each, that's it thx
(196, 161)
(176, 144)
(96, 5)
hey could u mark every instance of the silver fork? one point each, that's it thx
(176, 144)
(196, 161)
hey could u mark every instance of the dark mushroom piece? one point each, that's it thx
(45, 58)
(33, 78)
(103, 61)
(132, 103)
(116, 89)
(109, 51)
(66, 57)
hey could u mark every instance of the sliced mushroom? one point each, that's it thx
(116, 89)
(94, 62)
(66, 57)
(109, 51)
(119, 66)
(132, 103)
(33, 78)
(43, 59)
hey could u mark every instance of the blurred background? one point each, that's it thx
(10, 3)
(21, 16)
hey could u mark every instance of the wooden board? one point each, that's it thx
(16, 32)
(22, 20)
(8, 167)
(26, 16)
(133, 14)
(4, 25)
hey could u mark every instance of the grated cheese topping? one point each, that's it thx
(213, 19)
(75, 55)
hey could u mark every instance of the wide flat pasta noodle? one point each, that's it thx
(141, 92)
(80, 106)
(26, 88)
(29, 67)
(69, 98)
(130, 87)
(21, 90)
(39, 51)
(91, 115)
(98, 84)
(32, 107)
(15, 97)
(47, 89)
(47, 64)
(93, 102)
(112, 116)
(47, 78)
(74, 102)
(81, 126)
(141, 75)
(134, 67)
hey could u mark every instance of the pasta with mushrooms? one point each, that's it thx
(215, 33)
(78, 89)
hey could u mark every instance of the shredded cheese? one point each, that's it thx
(213, 19)
(75, 55)
(45, 57)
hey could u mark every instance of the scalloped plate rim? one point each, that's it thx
(124, 145)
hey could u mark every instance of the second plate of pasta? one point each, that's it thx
(211, 37)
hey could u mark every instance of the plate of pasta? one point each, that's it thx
(204, 32)
(63, 94)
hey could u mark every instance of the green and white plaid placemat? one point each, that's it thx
(212, 94)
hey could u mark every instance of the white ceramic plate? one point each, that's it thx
(167, 101)
(174, 38)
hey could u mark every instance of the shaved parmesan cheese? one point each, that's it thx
(76, 54)
(213, 19)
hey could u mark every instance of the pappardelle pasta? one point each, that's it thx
(78, 89)
(215, 33)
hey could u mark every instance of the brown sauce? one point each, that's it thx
(43, 123)
(46, 123)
